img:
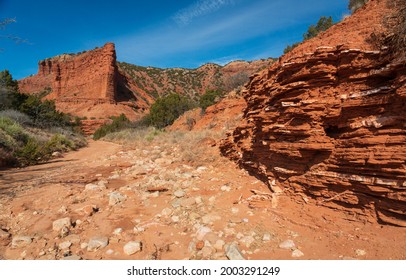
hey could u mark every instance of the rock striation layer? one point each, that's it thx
(330, 124)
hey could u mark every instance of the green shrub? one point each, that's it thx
(209, 98)
(354, 5)
(13, 129)
(31, 153)
(118, 123)
(290, 47)
(59, 143)
(167, 109)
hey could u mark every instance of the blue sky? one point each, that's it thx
(156, 32)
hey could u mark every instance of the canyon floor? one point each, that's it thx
(145, 201)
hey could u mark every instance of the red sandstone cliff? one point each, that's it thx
(328, 121)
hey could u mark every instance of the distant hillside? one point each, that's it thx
(157, 82)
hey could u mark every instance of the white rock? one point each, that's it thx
(115, 198)
(65, 245)
(132, 247)
(267, 237)
(83, 245)
(234, 210)
(248, 240)
(175, 219)
(4, 234)
(61, 223)
(93, 187)
(287, 244)
(109, 252)
(201, 232)
(21, 241)
(117, 231)
(360, 252)
(297, 253)
(233, 252)
(179, 193)
(225, 188)
(166, 212)
(219, 245)
(96, 243)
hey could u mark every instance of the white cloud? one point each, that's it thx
(199, 8)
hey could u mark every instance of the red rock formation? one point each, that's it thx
(328, 120)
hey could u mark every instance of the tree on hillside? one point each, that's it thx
(354, 5)
(8, 89)
(323, 24)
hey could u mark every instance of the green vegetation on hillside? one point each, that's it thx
(323, 24)
(354, 5)
(31, 130)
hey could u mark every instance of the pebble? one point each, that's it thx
(58, 225)
(179, 193)
(94, 187)
(72, 258)
(109, 252)
(267, 237)
(201, 232)
(233, 252)
(297, 253)
(64, 232)
(360, 252)
(117, 231)
(73, 238)
(166, 212)
(234, 210)
(175, 219)
(96, 243)
(219, 245)
(83, 245)
(287, 244)
(207, 251)
(210, 218)
(198, 200)
(199, 245)
(248, 240)
(115, 198)
(65, 245)
(225, 188)
(188, 202)
(132, 247)
(21, 241)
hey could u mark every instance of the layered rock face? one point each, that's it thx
(88, 76)
(331, 124)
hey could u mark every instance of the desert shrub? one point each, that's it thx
(16, 116)
(290, 47)
(167, 109)
(31, 153)
(323, 24)
(209, 98)
(117, 123)
(59, 143)
(397, 42)
(354, 5)
(13, 129)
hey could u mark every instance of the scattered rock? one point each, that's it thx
(248, 240)
(117, 231)
(132, 247)
(267, 237)
(96, 243)
(179, 193)
(225, 188)
(297, 253)
(110, 252)
(201, 232)
(64, 232)
(287, 244)
(87, 210)
(115, 198)
(188, 202)
(74, 239)
(199, 245)
(58, 225)
(210, 218)
(83, 245)
(57, 155)
(206, 252)
(233, 252)
(360, 252)
(166, 212)
(175, 219)
(65, 245)
(21, 241)
(94, 187)
(219, 245)
(72, 258)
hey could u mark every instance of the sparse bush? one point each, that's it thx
(167, 109)
(354, 5)
(209, 98)
(290, 47)
(16, 116)
(323, 24)
(118, 123)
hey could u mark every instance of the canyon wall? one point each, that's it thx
(328, 121)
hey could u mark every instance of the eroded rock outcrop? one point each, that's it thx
(330, 123)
